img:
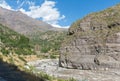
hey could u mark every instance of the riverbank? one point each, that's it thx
(50, 66)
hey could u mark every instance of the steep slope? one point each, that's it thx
(93, 42)
(21, 23)
(11, 42)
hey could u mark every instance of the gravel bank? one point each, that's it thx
(50, 66)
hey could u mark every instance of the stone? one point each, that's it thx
(93, 42)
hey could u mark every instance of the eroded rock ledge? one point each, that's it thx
(93, 42)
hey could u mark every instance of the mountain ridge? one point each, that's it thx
(22, 23)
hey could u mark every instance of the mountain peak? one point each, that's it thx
(22, 23)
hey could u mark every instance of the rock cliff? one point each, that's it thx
(93, 42)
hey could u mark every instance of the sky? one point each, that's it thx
(58, 13)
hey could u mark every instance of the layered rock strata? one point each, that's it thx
(93, 42)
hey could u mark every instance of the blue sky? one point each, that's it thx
(59, 13)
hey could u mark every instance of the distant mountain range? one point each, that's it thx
(39, 32)
(22, 23)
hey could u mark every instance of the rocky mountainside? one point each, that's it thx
(21, 23)
(93, 42)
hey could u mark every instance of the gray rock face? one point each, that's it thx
(93, 42)
(81, 54)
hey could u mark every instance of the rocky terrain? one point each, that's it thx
(52, 68)
(93, 42)
(90, 52)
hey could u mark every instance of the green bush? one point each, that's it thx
(5, 52)
(48, 40)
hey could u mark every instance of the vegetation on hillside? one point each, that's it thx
(12, 42)
(106, 18)
(101, 25)
(47, 41)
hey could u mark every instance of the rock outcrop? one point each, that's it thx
(93, 42)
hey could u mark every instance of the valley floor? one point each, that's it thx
(51, 67)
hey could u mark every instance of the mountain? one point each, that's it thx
(22, 23)
(33, 29)
(13, 43)
(47, 41)
(93, 42)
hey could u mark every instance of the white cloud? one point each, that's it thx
(30, 3)
(21, 4)
(3, 4)
(58, 26)
(47, 11)
(18, 1)
(25, 2)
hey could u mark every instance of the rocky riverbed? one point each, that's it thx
(50, 66)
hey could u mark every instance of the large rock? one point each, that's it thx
(93, 42)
